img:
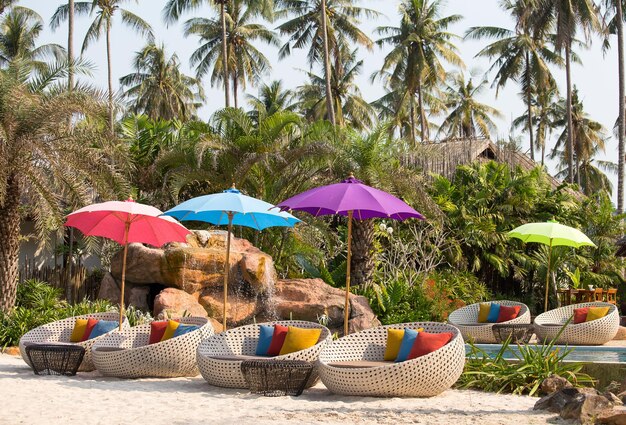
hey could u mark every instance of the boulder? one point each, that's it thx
(621, 334)
(556, 401)
(109, 290)
(554, 383)
(614, 416)
(239, 308)
(173, 302)
(585, 407)
(138, 297)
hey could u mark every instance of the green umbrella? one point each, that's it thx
(552, 234)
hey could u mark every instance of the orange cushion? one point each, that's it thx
(426, 343)
(508, 313)
(595, 313)
(580, 315)
(91, 323)
(278, 339)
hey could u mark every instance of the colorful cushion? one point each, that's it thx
(278, 338)
(299, 339)
(494, 312)
(79, 330)
(91, 323)
(171, 327)
(580, 315)
(508, 313)
(157, 329)
(426, 343)
(183, 329)
(103, 327)
(596, 313)
(265, 339)
(407, 344)
(483, 312)
(394, 339)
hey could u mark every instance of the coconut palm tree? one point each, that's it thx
(272, 98)
(567, 17)
(246, 64)
(467, 117)
(324, 26)
(521, 55)
(159, 89)
(419, 45)
(105, 10)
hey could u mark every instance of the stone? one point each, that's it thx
(622, 396)
(172, 302)
(554, 383)
(585, 407)
(617, 401)
(109, 290)
(239, 309)
(556, 401)
(138, 297)
(621, 334)
(614, 416)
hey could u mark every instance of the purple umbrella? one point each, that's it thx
(350, 198)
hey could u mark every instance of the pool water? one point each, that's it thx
(578, 354)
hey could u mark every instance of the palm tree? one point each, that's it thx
(521, 55)
(246, 63)
(467, 117)
(159, 89)
(105, 10)
(419, 45)
(272, 98)
(324, 26)
(6, 4)
(567, 17)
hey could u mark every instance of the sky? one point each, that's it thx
(596, 78)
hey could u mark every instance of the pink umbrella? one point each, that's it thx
(127, 222)
(353, 199)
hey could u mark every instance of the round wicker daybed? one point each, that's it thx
(595, 332)
(353, 365)
(61, 330)
(466, 320)
(220, 356)
(127, 354)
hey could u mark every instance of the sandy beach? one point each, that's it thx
(89, 398)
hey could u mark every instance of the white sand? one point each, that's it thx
(89, 398)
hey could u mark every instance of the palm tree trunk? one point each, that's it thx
(420, 102)
(225, 53)
(70, 44)
(412, 119)
(235, 88)
(362, 261)
(10, 246)
(622, 95)
(530, 111)
(110, 72)
(327, 73)
(570, 124)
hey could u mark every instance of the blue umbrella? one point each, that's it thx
(228, 208)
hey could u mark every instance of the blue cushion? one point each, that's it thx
(183, 329)
(494, 312)
(265, 339)
(102, 327)
(406, 345)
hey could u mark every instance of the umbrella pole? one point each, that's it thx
(227, 266)
(346, 309)
(123, 273)
(545, 305)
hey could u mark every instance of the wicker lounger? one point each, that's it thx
(220, 356)
(127, 354)
(596, 332)
(466, 319)
(353, 365)
(60, 331)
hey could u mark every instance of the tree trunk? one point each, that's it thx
(362, 264)
(235, 88)
(420, 100)
(622, 95)
(530, 111)
(412, 119)
(111, 118)
(70, 44)
(225, 53)
(327, 73)
(10, 246)
(570, 125)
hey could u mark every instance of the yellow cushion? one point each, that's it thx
(169, 330)
(483, 312)
(298, 339)
(596, 313)
(394, 339)
(79, 330)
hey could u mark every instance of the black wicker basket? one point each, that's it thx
(55, 359)
(519, 333)
(276, 377)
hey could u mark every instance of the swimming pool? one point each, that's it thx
(590, 354)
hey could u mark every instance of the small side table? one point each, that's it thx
(520, 333)
(55, 359)
(276, 377)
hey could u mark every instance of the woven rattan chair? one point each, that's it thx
(127, 354)
(596, 332)
(354, 365)
(220, 356)
(60, 331)
(466, 319)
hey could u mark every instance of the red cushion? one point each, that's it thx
(280, 333)
(427, 343)
(91, 323)
(157, 329)
(508, 313)
(580, 315)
